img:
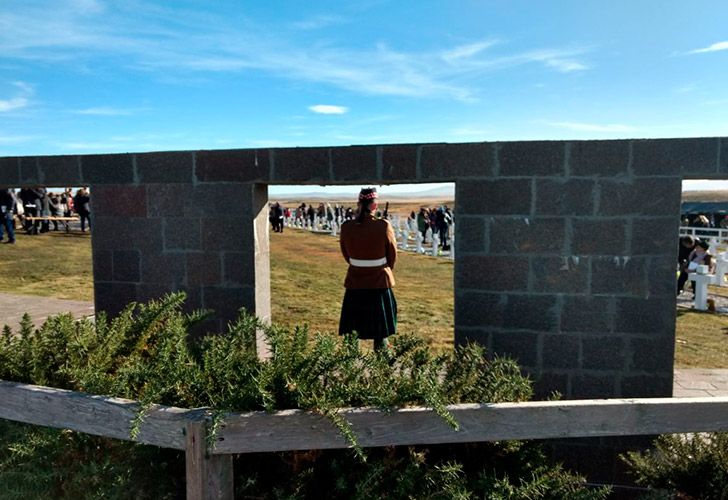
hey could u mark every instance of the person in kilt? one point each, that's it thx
(369, 246)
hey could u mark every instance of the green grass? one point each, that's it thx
(307, 275)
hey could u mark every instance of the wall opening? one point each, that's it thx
(308, 270)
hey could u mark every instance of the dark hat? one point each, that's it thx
(369, 193)
(703, 244)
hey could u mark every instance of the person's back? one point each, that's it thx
(369, 240)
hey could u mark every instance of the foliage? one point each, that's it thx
(147, 353)
(684, 465)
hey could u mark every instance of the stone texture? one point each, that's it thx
(227, 301)
(675, 156)
(399, 163)
(492, 273)
(531, 158)
(107, 169)
(647, 386)
(59, 171)
(119, 201)
(170, 200)
(354, 163)
(232, 165)
(599, 236)
(652, 354)
(212, 200)
(302, 164)
(642, 196)
(494, 197)
(521, 346)
(446, 162)
(169, 167)
(646, 316)
(550, 382)
(561, 352)
(480, 309)
(603, 353)
(654, 236)
(560, 274)
(182, 233)
(112, 298)
(588, 314)
(127, 265)
(127, 233)
(723, 160)
(168, 269)
(527, 235)
(225, 233)
(29, 171)
(236, 266)
(564, 197)
(470, 234)
(603, 158)
(531, 312)
(9, 172)
(619, 276)
(103, 265)
(204, 269)
(592, 386)
(661, 278)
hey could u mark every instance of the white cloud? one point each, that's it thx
(565, 65)
(718, 46)
(468, 50)
(19, 101)
(105, 111)
(593, 127)
(328, 109)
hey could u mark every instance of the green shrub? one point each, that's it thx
(684, 465)
(146, 353)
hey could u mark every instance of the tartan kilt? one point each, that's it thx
(370, 312)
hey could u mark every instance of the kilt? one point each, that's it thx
(370, 312)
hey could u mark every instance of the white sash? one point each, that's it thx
(368, 262)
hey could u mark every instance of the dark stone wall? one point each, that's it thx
(566, 249)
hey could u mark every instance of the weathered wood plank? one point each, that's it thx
(296, 430)
(209, 477)
(97, 415)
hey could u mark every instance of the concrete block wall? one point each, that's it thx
(566, 249)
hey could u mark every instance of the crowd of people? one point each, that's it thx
(35, 209)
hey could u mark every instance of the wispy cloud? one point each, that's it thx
(20, 100)
(328, 109)
(175, 41)
(318, 22)
(593, 127)
(105, 111)
(718, 46)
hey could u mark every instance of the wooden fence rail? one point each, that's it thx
(209, 472)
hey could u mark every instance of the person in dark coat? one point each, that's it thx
(369, 247)
(82, 205)
(686, 247)
(7, 207)
(31, 200)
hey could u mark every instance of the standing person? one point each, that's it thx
(31, 206)
(685, 249)
(7, 205)
(82, 205)
(422, 223)
(56, 210)
(369, 246)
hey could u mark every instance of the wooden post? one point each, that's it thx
(209, 477)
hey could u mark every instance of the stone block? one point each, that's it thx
(604, 353)
(399, 163)
(226, 233)
(593, 386)
(127, 233)
(225, 200)
(232, 165)
(561, 352)
(182, 233)
(167, 167)
(723, 166)
(107, 169)
(604, 158)
(646, 316)
(112, 298)
(204, 269)
(587, 314)
(59, 171)
(548, 383)
(237, 269)
(127, 265)
(531, 158)
(470, 234)
(446, 162)
(168, 269)
(647, 386)
(599, 236)
(652, 355)
(564, 197)
(520, 346)
(675, 156)
(661, 276)
(103, 265)
(527, 235)
(491, 272)
(531, 312)
(464, 336)
(642, 196)
(479, 309)
(170, 200)
(654, 236)
(494, 197)
(227, 301)
(619, 276)
(355, 164)
(29, 171)
(560, 274)
(9, 172)
(302, 164)
(119, 201)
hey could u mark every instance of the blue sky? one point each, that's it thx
(82, 76)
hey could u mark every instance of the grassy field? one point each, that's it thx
(307, 274)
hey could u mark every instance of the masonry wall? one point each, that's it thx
(566, 249)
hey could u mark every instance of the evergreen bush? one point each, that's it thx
(146, 353)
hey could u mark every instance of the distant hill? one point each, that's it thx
(443, 192)
(721, 195)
